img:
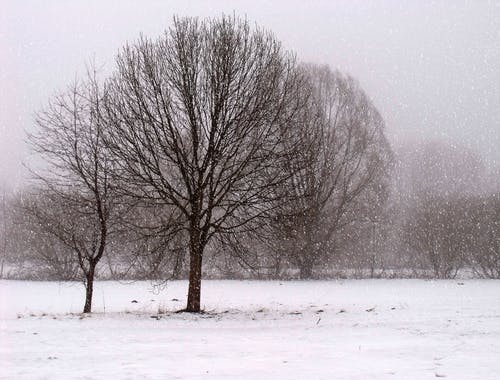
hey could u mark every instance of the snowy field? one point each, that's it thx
(360, 329)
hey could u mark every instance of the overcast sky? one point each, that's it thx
(431, 67)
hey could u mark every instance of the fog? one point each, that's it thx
(431, 68)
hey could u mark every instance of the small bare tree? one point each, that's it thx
(79, 203)
(197, 125)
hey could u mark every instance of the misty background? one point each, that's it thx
(207, 153)
(431, 68)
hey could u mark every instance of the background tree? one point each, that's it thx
(431, 176)
(340, 174)
(79, 202)
(483, 217)
(3, 231)
(153, 247)
(437, 234)
(38, 252)
(197, 125)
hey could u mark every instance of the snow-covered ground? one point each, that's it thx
(359, 329)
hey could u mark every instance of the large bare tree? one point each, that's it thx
(78, 197)
(198, 119)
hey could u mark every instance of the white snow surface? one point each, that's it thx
(355, 329)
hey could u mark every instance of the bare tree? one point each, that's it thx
(346, 155)
(79, 203)
(197, 124)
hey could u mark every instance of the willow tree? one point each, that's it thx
(340, 174)
(198, 119)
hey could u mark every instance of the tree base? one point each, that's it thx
(190, 311)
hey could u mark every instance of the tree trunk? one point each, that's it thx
(309, 254)
(194, 292)
(306, 270)
(1, 267)
(308, 251)
(195, 260)
(89, 289)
